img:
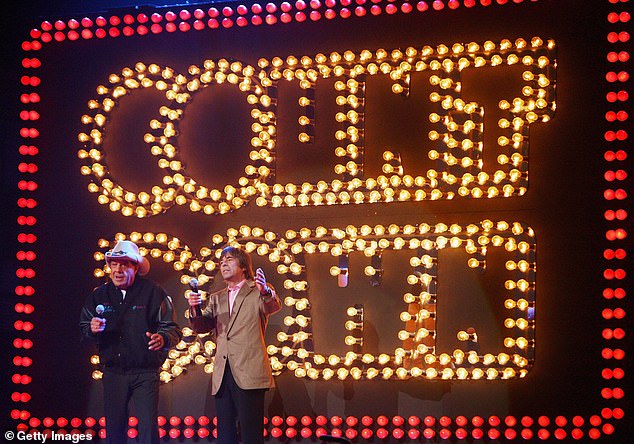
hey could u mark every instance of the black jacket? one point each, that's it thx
(123, 345)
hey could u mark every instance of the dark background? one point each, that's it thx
(564, 205)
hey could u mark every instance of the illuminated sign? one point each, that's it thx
(553, 410)
(457, 146)
(456, 140)
(417, 357)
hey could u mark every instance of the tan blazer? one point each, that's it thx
(240, 337)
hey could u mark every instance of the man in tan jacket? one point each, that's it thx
(237, 315)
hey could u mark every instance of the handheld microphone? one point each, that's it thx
(100, 309)
(193, 286)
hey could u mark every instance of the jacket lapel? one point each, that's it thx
(223, 307)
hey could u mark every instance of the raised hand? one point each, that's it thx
(260, 282)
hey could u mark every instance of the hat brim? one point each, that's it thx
(144, 266)
(141, 261)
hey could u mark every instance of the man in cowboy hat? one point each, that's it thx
(132, 321)
(237, 315)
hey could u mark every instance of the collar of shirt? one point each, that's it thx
(236, 287)
(233, 293)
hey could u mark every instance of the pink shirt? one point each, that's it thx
(233, 292)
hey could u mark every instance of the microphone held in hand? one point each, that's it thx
(98, 323)
(193, 286)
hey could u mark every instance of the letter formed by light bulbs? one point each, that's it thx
(456, 141)
(296, 349)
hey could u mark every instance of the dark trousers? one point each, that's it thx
(118, 390)
(246, 406)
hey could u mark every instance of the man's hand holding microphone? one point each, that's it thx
(97, 325)
(194, 298)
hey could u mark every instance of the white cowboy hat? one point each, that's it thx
(126, 249)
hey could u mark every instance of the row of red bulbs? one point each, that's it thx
(617, 313)
(31, 62)
(612, 156)
(27, 238)
(24, 290)
(30, 80)
(30, 98)
(26, 255)
(25, 167)
(621, 96)
(609, 334)
(612, 116)
(619, 194)
(616, 373)
(22, 361)
(615, 17)
(618, 214)
(610, 254)
(28, 221)
(227, 22)
(477, 433)
(609, 274)
(26, 202)
(351, 433)
(23, 326)
(612, 393)
(621, 76)
(618, 293)
(23, 343)
(213, 12)
(615, 37)
(24, 308)
(622, 56)
(114, 32)
(616, 333)
(619, 234)
(617, 353)
(19, 325)
(349, 421)
(611, 176)
(27, 273)
(618, 274)
(27, 185)
(619, 135)
(21, 379)
(29, 133)
(413, 434)
(29, 115)
(213, 23)
(256, 8)
(28, 150)
(20, 397)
